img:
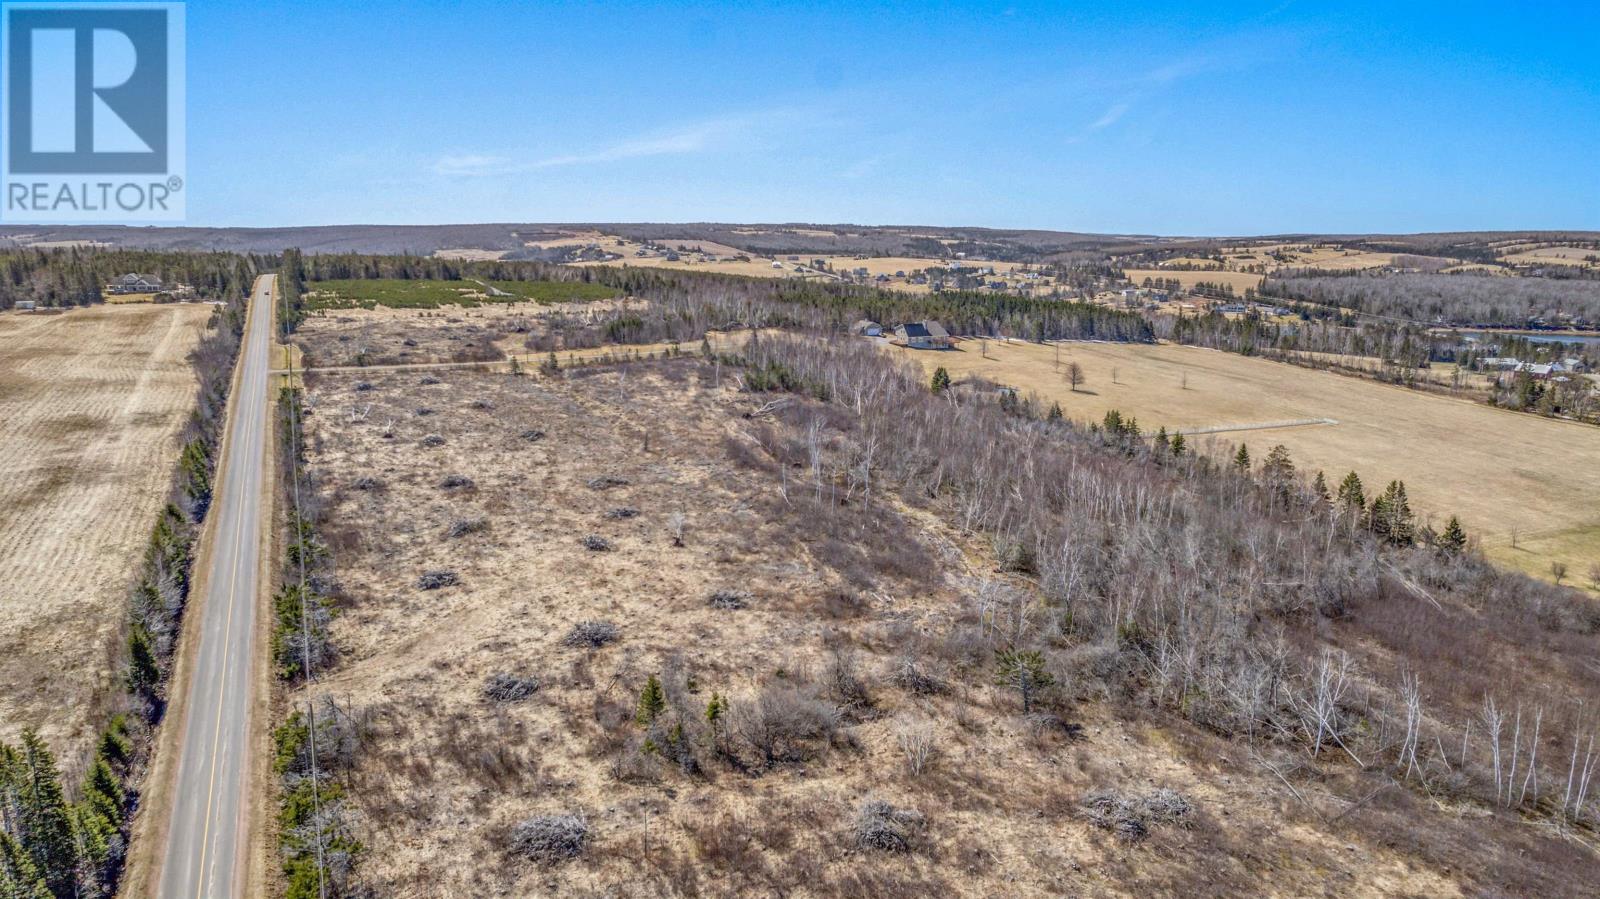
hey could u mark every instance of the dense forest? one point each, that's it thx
(76, 277)
(1460, 299)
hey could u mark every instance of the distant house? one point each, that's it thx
(867, 328)
(134, 282)
(923, 335)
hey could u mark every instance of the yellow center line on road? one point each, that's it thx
(216, 735)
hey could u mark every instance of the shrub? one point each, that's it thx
(885, 828)
(464, 526)
(367, 483)
(433, 440)
(363, 386)
(591, 634)
(427, 380)
(1131, 816)
(728, 600)
(433, 580)
(596, 543)
(532, 435)
(457, 481)
(550, 839)
(622, 512)
(505, 687)
(914, 678)
(606, 482)
(422, 411)
(782, 723)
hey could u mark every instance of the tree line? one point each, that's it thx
(76, 276)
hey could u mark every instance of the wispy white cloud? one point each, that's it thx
(1110, 116)
(698, 137)
(470, 164)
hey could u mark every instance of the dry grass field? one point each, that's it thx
(694, 491)
(1578, 256)
(92, 401)
(1509, 476)
(1239, 280)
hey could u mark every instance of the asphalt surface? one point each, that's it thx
(206, 838)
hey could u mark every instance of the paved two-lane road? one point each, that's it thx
(206, 837)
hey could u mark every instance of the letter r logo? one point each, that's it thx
(87, 90)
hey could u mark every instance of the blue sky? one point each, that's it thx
(1171, 118)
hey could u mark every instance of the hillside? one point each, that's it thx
(783, 622)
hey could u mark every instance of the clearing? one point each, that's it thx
(93, 401)
(723, 574)
(1239, 281)
(426, 294)
(1508, 475)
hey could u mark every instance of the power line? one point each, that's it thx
(305, 606)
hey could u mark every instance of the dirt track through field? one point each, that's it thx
(92, 402)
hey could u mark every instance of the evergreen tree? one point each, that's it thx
(652, 701)
(1055, 412)
(1352, 496)
(1023, 671)
(1319, 487)
(715, 709)
(941, 380)
(1179, 445)
(1161, 444)
(19, 876)
(1241, 459)
(43, 822)
(1278, 466)
(1391, 516)
(1454, 538)
(144, 673)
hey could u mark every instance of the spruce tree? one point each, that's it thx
(1179, 446)
(1454, 538)
(1352, 496)
(715, 709)
(144, 673)
(44, 823)
(941, 380)
(19, 876)
(1241, 459)
(652, 701)
(1055, 412)
(1319, 487)
(1023, 671)
(1400, 526)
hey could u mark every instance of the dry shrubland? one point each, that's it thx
(851, 638)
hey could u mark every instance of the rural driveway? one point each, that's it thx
(208, 828)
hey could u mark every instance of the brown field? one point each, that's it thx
(92, 402)
(1561, 255)
(117, 299)
(445, 773)
(1239, 280)
(1508, 475)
